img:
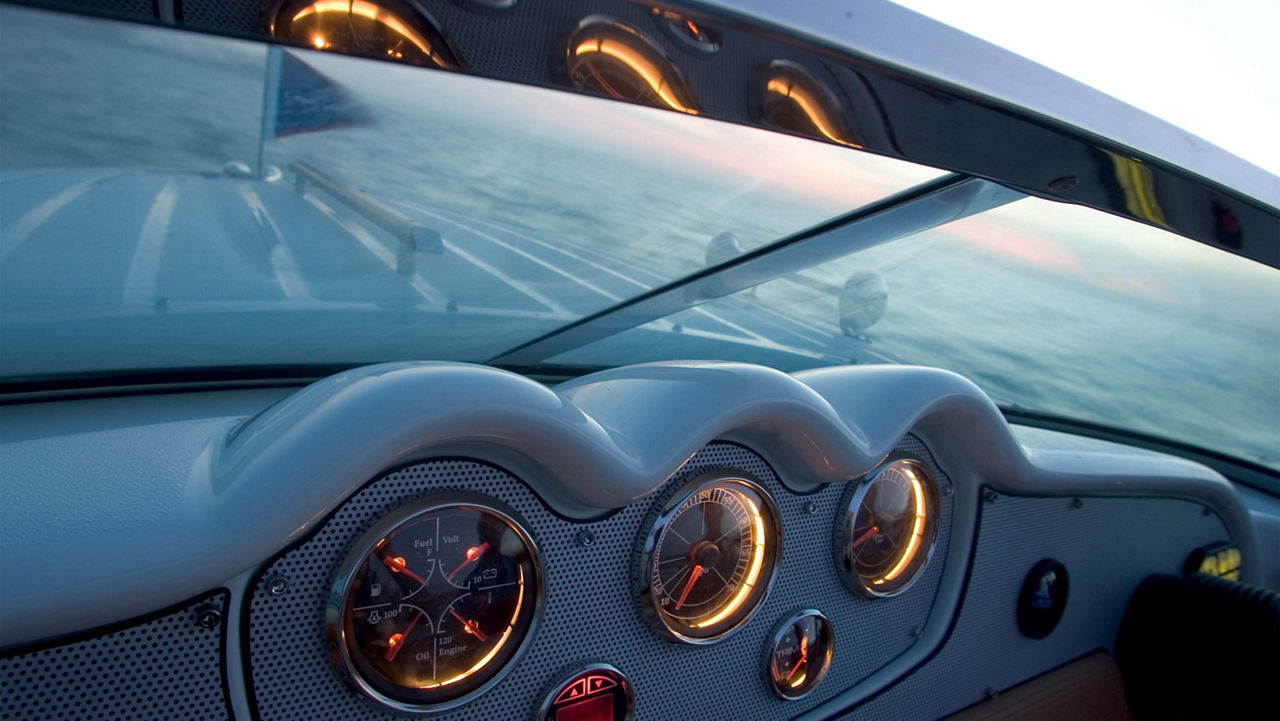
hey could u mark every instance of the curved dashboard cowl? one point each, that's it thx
(592, 610)
(212, 497)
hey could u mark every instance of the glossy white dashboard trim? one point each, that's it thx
(896, 36)
(106, 523)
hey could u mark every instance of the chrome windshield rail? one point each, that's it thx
(911, 211)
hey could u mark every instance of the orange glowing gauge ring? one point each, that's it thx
(607, 57)
(708, 558)
(395, 30)
(889, 527)
(794, 100)
(435, 603)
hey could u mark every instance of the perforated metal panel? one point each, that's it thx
(591, 611)
(166, 668)
(1108, 546)
(133, 9)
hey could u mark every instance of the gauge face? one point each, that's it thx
(436, 601)
(606, 57)
(889, 528)
(800, 654)
(709, 558)
(795, 100)
(384, 29)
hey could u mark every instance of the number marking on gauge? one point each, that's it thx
(438, 606)
(712, 555)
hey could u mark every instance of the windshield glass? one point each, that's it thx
(1050, 307)
(173, 201)
(401, 213)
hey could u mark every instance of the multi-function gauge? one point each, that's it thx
(708, 558)
(434, 602)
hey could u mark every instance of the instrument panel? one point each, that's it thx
(466, 582)
(705, 577)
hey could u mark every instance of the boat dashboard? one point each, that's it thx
(669, 540)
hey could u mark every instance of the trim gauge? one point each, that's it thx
(799, 654)
(709, 557)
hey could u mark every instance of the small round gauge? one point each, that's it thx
(800, 654)
(435, 602)
(709, 557)
(888, 529)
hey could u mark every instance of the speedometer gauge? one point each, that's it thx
(435, 602)
(887, 531)
(709, 557)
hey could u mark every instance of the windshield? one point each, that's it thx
(174, 201)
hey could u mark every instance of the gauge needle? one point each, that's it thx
(397, 639)
(396, 564)
(470, 627)
(804, 656)
(472, 554)
(688, 585)
(863, 538)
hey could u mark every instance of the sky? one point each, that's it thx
(1211, 68)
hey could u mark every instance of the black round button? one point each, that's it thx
(1043, 599)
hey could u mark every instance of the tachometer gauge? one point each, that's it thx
(435, 602)
(800, 654)
(887, 531)
(709, 557)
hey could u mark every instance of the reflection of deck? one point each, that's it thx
(160, 269)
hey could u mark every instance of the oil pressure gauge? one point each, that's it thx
(435, 602)
(708, 558)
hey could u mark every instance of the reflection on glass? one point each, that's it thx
(795, 100)
(1047, 306)
(387, 29)
(366, 212)
(607, 57)
(692, 33)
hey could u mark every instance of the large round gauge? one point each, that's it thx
(709, 557)
(435, 602)
(397, 30)
(606, 57)
(888, 528)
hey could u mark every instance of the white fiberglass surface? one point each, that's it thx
(136, 233)
(1050, 307)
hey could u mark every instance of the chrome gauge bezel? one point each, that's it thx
(776, 637)
(663, 512)
(335, 634)
(564, 677)
(847, 517)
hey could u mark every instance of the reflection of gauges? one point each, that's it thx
(888, 528)
(799, 654)
(606, 57)
(386, 29)
(796, 101)
(692, 33)
(435, 602)
(709, 557)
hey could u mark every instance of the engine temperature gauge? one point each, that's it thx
(800, 654)
(709, 557)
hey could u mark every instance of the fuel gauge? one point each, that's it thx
(800, 654)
